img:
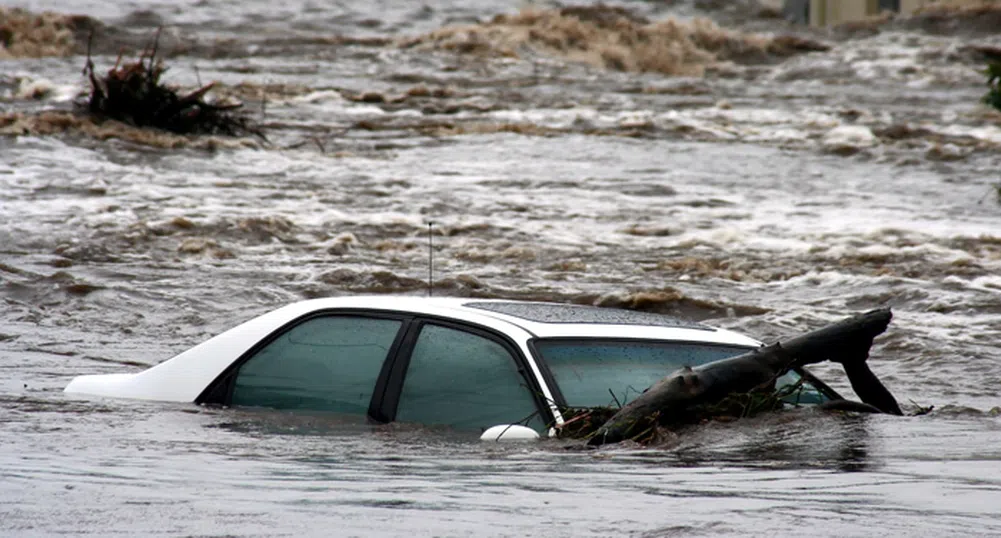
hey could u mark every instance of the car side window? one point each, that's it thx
(327, 363)
(464, 380)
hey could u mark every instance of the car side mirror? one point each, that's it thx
(509, 432)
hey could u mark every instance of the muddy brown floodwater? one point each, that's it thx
(722, 171)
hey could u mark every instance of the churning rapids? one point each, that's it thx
(723, 176)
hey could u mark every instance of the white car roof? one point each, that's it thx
(541, 319)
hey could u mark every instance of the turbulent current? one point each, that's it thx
(715, 163)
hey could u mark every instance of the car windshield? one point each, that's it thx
(597, 373)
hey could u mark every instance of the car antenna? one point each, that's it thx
(430, 258)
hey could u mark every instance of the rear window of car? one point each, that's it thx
(595, 373)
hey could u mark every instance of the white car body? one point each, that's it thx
(184, 377)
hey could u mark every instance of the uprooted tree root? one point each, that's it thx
(656, 429)
(132, 93)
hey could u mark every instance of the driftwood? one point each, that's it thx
(132, 93)
(673, 398)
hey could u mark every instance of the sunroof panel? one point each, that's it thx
(569, 313)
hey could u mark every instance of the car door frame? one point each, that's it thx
(396, 377)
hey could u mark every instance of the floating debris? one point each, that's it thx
(132, 93)
(746, 385)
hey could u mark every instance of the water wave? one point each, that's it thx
(613, 38)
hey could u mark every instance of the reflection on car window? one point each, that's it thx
(325, 364)
(463, 380)
(590, 372)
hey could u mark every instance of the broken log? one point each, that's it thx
(870, 389)
(671, 399)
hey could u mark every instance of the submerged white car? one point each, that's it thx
(471, 364)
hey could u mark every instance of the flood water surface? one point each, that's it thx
(754, 188)
(105, 468)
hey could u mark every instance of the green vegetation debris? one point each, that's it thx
(993, 72)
